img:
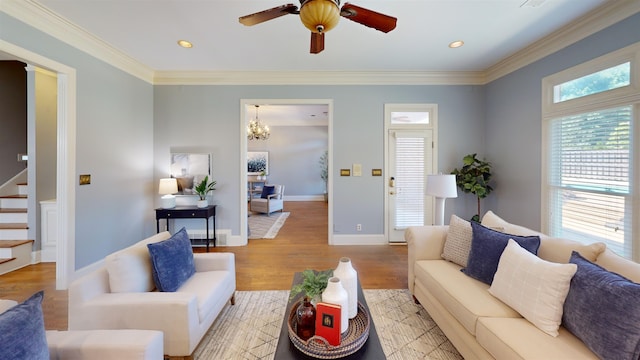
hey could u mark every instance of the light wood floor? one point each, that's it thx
(265, 264)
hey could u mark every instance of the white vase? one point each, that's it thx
(349, 277)
(203, 203)
(337, 295)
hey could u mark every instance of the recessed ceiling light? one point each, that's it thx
(456, 44)
(185, 44)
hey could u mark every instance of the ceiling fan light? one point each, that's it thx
(320, 15)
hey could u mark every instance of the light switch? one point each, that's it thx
(357, 169)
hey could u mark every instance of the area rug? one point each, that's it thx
(250, 328)
(262, 226)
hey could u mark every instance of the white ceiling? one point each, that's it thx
(147, 30)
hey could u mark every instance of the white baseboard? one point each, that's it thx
(369, 239)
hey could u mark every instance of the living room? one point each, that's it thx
(124, 127)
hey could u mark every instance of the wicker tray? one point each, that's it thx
(351, 341)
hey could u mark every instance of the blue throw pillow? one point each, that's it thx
(267, 190)
(172, 261)
(602, 309)
(487, 246)
(22, 334)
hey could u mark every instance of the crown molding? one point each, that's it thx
(596, 20)
(318, 78)
(32, 13)
(39, 17)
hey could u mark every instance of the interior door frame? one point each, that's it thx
(245, 105)
(432, 109)
(66, 157)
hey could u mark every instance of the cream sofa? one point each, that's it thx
(121, 295)
(478, 324)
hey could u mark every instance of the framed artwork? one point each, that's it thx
(257, 162)
(189, 169)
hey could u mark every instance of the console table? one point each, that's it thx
(189, 212)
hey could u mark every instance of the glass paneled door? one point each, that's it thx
(410, 157)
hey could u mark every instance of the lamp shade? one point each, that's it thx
(442, 186)
(168, 186)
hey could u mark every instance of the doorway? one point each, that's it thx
(410, 152)
(65, 166)
(248, 112)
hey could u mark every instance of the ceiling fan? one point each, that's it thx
(320, 16)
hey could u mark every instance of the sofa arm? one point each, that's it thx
(423, 243)
(214, 262)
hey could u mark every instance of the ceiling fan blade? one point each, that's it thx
(370, 18)
(317, 42)
(269, 14)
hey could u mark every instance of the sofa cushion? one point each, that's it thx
(208, 287)
(130, 268)
(510, 338)
(493, 221)
(487, 246)
(465, 298)
(22, 334)
(533, 287)
(616, 263)
(602, 309)
(559, 250)
(458, 242)
(172, 261)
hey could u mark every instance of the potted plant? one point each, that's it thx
(203, 189)
(312, 285)
(474, 177)
(324, 171)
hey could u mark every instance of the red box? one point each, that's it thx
(328, 322)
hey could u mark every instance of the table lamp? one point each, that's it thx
(167, 188)
(442, 187)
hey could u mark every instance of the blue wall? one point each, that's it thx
(114, 143)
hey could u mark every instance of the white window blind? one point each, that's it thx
(590, 176)
(410, 181)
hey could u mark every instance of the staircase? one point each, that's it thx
(15, 248)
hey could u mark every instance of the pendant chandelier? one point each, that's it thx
(257, 130)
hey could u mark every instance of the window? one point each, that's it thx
(589, 184)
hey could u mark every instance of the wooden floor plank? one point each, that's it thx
(265, 264)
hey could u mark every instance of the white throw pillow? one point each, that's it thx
(533, 287)
(130, 268)
(458, 242)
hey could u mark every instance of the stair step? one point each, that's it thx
(4, 244)
(16, 196)
(14, 254)
(13, 210)
(13, 217)
(13, 202)
(13, 226)
(22, 188)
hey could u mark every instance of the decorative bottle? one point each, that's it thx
(337, 295)
(349, 278)
(305, 319)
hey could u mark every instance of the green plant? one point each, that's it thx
(324, 168)
(205, 187)
(474, 177)
(312, 285)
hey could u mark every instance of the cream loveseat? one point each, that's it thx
(23, 336)
(122, 294)
(481, 326)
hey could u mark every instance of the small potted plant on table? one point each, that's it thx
(203, 189)
(312, 285)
